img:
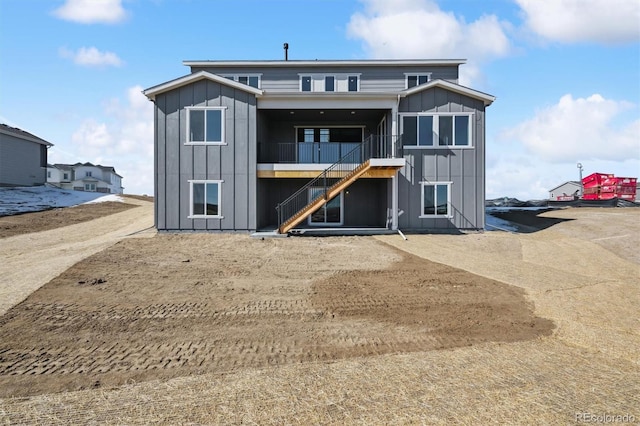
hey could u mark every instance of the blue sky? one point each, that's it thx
(566, 73)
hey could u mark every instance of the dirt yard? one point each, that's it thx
(55, 218)
(222, 328)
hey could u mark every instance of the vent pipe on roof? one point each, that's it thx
(286, 51)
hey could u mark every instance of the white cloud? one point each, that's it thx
(578, 130)
(92, 11)
(91, 57)
(569, 21)
(124, 140)
(420, 29)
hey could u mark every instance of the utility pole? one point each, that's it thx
(579, 165)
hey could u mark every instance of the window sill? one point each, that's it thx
(202, 216)
(435, 216)
(206, 143)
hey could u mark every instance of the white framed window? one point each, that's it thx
(90, 187)
(437, 130)
(253, 80)
(416, 79)
(353, 83)
(66, 176)
(205, 125)
(435, 199)
(204, 199)
(49, 175)
(329, 82)
(305, 83)
(332, 213)
(88, 174)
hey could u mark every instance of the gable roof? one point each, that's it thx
(152, 92)
(570, 182)
(447, 85)
(21, 134)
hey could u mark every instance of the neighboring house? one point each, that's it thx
(23, 157)
(566, 191)
(380, 144)
(85, 177)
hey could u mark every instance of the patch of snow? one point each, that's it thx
(27, 199)
(111, 197)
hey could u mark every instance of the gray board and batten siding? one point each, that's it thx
(462, 166)
(233, 163)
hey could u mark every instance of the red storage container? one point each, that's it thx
(595, 179)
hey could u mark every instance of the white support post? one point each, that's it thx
(394, 129)
(394, 202)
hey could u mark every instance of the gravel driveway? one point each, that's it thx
(31, 260)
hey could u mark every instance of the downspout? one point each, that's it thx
(394, 179)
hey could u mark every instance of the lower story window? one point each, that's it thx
(436, 199)
(90, 187)
(329, 214)
(205, 196)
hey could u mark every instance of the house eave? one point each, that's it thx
(453, 87)
(26, 137)
(152, 92)
(324, 63)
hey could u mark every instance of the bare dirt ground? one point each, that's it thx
(219, 328)
(55, 218)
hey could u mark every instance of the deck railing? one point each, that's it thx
(375, 146)
(316, 152)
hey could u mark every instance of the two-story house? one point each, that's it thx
(23, 157)
(85, 177)
(367, 144)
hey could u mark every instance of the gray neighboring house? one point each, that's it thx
(290, 145)
(567, 190)
(23, 158)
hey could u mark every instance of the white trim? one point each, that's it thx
(325, 223)
(192, 78)
(436, 129)
(424, 183)
(222, 110)
(29, 138)
(488, 99)
(318, 82)
(205, 216)
(236, 78)
(417, 75)
(323, 63)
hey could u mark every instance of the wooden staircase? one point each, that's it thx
(325, 197)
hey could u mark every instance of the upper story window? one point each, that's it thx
(88, 174)
(437, 130)
(329, 82)
(252, 80)
(205, 125)
(305, 83)
(66, 176)
(354, 83)
(413, 80)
